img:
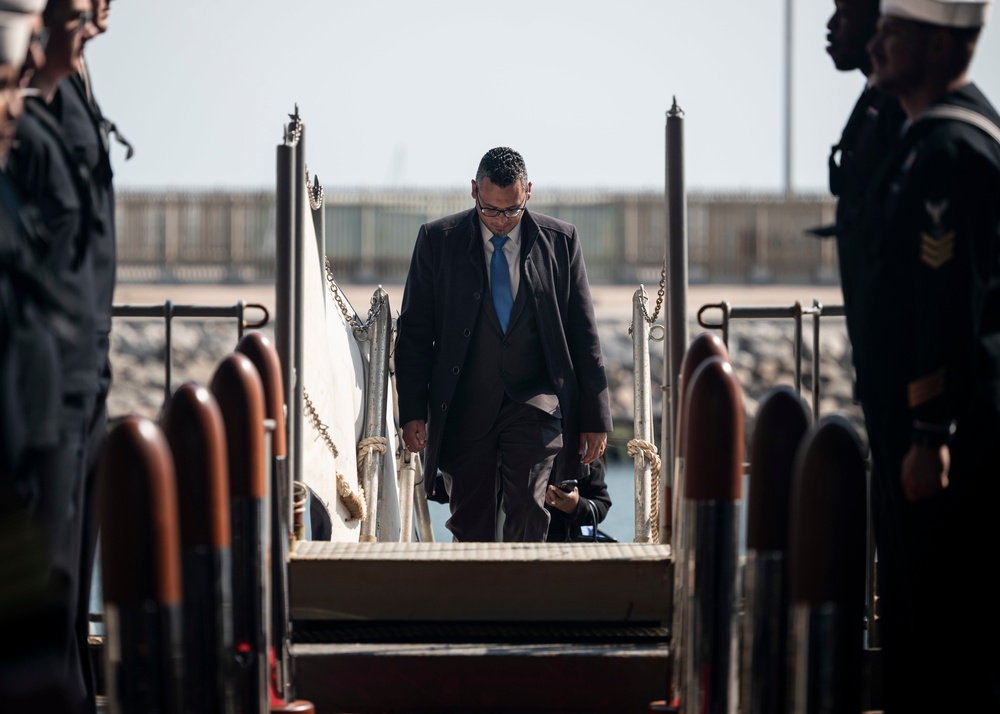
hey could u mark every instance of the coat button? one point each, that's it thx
(455, 370)
(476, 295)
(444, 406)
(466, 332)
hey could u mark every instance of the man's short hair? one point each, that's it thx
(503, 166)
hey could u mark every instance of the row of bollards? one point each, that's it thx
(784, 632)
(191, 508)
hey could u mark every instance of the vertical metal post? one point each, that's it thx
(168, 331)
(817, 313)
(677, 284)
(284, 282)
(407, 481)
(378, 379)
(424, 528)
(415, 516)
(296, 396)
(788, 99)
(643, 417)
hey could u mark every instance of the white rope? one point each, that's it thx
(368, 445)
(651, 454)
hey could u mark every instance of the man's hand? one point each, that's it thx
(415, 435)
(925, 471)
(592, 445)
(565, 502)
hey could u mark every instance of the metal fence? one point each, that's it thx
(230, 236)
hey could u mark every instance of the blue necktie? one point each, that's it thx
(503, 297)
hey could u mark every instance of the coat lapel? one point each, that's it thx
(477, 261)
(530, 287)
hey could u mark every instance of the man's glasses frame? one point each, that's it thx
(495, 212)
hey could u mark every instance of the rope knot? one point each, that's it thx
(637, 447)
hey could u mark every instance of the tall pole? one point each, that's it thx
(788, 98)
(677, 286)
(284, 280)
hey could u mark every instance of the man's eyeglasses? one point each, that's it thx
(41, 37)
(495, 212)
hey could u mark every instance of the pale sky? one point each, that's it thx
(411, 94)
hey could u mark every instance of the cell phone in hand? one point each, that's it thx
(567, 486)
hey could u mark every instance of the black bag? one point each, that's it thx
(597, 535)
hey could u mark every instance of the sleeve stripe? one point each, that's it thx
(926, 388)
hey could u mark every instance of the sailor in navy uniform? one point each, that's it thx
(57, 211)
(926, 340)
(88, 134)
(37, 317)
(865, 147)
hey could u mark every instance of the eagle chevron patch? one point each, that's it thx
(935, 252)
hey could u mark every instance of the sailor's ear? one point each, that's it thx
(527, 193)
(474, 193)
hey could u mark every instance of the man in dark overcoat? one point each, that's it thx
(926, 347)
(499, 370)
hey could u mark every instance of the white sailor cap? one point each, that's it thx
(15, 28)
(35, 6)
(948, 13)
(15, 33)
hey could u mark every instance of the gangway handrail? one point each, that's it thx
(777, 312)
(641, 447)
(167, 311)
(370, 459)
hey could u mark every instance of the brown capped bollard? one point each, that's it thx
(827, 570)
(237, 387)
(781, 425)
(265, 358)
(194, 428)
(140, 570)
(703, 347)
(713, 487)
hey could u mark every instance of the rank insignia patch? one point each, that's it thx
(935, 252)
(936, 211)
